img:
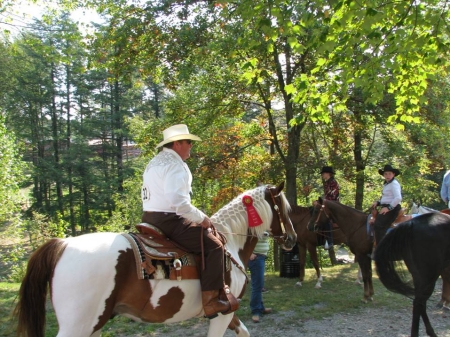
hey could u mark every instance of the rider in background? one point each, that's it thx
(167, 205)
(331, 192)
(389, 202)
(445, 189)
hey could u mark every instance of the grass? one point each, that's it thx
(293, 304)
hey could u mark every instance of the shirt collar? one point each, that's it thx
(387, 183)
(177, 156)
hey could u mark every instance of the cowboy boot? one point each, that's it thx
(212, 305)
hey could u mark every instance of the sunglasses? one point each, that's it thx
(188, 141)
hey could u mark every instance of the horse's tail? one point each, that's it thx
(394, 247)
(30, 309)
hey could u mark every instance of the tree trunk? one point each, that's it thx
(55, 141)
(359, 162)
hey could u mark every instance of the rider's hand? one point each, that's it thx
(206, 223)
(384, 210)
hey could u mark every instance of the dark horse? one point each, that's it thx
(423, 243)
(352, 223)
(307, 240)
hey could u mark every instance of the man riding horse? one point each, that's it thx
(167, 205)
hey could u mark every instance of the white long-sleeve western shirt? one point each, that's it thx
(392, 193)
(167, 185)
(445, 188)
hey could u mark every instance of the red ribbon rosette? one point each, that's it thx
(253, 217)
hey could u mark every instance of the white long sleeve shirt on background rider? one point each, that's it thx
(445, 188)
(392, 193)
(167, 185)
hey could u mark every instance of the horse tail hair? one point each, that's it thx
(394, 247)
(30, 309)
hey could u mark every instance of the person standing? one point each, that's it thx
(166, 199)
(331, 192)
(445, 189)
(257, 266)
(389, 202)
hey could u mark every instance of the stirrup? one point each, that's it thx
(226, 295)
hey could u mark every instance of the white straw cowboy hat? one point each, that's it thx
(177, 132)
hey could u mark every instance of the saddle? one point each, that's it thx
(400, 217)
(160, 257)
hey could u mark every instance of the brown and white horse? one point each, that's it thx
(93, 277)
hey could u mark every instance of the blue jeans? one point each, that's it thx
(257, 268)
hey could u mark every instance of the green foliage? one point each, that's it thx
(41, 228)
(11, 172)
(128, 210)
(276, 90)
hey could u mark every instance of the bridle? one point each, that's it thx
(322, 209)
(330, 217)
(282, 238)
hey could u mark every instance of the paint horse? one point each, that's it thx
(93, 277)
(423, 243)
(353, 223)
(307, 241)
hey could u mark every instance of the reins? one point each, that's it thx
(280, 218)
(322, 208)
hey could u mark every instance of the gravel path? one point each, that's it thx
(368, 322)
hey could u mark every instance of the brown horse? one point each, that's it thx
(93, 277)
(353, 224)
(307, 241)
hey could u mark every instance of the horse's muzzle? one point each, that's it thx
(287, 242)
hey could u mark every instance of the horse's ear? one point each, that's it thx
(280, 187)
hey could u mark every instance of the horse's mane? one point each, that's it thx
(296, 209)
(347, 207)
(233, 217)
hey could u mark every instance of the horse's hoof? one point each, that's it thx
(318, 286)
(299, 284)
(364, 300)
(445, 308)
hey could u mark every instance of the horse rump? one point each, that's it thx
(30, 309)
(389, 254)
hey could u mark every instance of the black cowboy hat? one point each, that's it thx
(327, 169)
(389, 168)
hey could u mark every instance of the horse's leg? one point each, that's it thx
(302, 263)
(420, 309)
(417, 310)
(424, 278)
(445, 297)
(238, 327)
(359, 278)
(423, 291)
(218, 325)
(365, 263)
(315, 261)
